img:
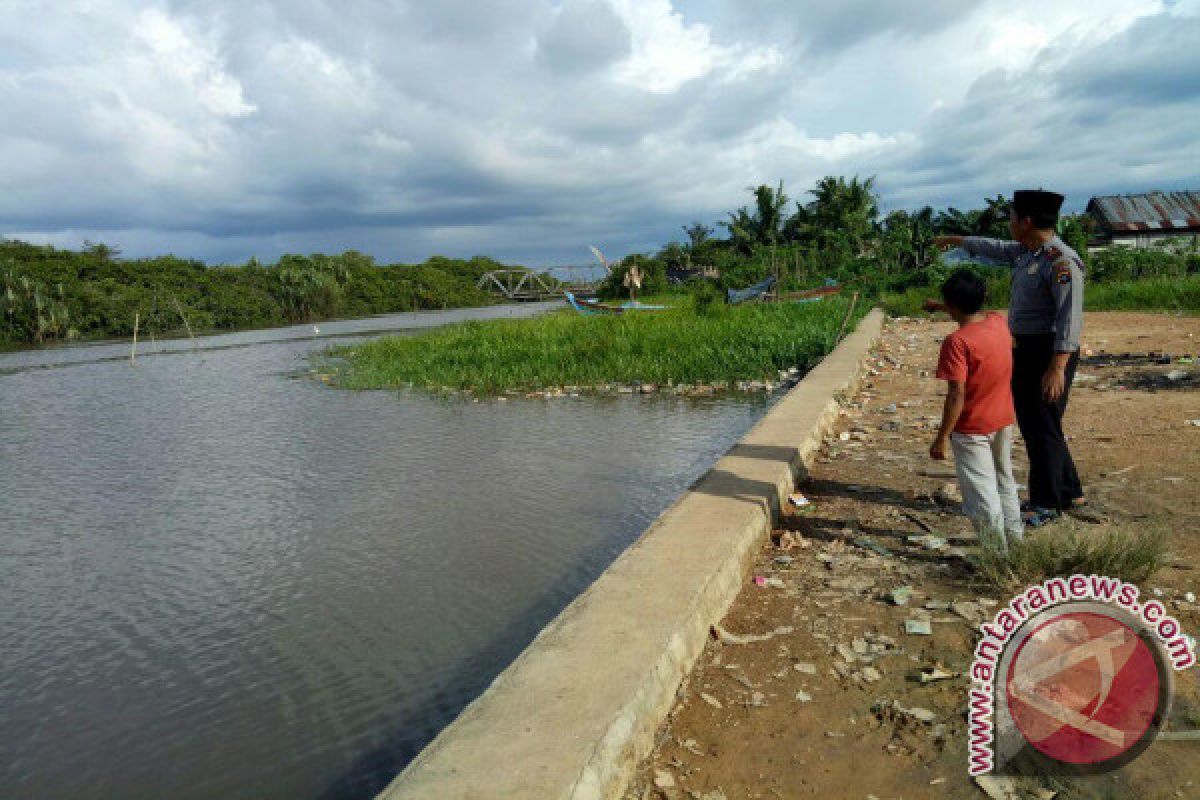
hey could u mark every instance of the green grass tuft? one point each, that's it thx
(1069, 547)
(681, 346)
(1143, 294)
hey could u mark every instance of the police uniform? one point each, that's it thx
(1045, 316)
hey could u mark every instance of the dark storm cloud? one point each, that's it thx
(532, 128)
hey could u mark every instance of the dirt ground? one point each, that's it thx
(835, 708)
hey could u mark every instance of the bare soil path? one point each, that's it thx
(832, 705)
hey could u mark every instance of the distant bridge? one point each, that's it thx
(521, 284)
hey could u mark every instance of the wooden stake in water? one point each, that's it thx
(133, 349)
(179, 308)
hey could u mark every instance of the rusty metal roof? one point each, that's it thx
(1152, 211)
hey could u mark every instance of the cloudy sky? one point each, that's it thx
(528, 129)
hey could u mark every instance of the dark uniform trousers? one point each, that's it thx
(1053, 481)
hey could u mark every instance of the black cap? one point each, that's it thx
(1038, 204)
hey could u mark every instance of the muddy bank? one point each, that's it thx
(845, 698)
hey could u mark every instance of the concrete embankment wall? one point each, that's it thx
(573, 715)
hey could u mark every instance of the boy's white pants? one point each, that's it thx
(984, 466)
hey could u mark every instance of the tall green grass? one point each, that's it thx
(1069, 548)
(1145, 294)
(684, 345)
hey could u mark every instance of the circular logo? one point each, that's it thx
(1084, 688)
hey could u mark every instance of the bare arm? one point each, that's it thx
(951, 411)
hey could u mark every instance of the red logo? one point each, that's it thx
(1084, 688)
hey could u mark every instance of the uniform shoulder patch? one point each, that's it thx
(1062, 271)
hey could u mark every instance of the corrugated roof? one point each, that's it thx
(1152, 211)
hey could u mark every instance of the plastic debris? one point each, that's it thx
(901, 595)
(867, 543)
(918, 626)
(805, 668)
(936, 673)
(799, 500)
(712, 701)
(725, 637)
(803, 696)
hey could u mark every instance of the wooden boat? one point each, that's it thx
(811, 295)
(757, 291)
(584, 306)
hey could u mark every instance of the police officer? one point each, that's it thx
(1045, 316)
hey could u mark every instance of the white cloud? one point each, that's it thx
(528, 127)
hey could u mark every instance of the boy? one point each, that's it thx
(977, 421)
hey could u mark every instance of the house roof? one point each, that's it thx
(1152, 211)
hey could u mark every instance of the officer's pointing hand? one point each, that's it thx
(946, 242)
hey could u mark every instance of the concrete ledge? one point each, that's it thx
(578, 709)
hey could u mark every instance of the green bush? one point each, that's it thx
(50, 294)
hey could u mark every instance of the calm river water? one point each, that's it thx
(219, 579)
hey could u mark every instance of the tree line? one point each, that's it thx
(837, 231)
(50, 294)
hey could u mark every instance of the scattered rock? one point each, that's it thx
(919, 714)
(970, 611)
(789, 540)
(998, 787)
(901, 595)
(948, 495)
(871, 675)
(805, 668)
(803, 696)
(663, 779)
(712, 701)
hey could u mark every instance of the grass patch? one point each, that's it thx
(684, 345)
(1070, 548)
(1144, 294)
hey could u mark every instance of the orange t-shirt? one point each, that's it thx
(980, 355)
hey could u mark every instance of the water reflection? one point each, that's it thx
(221, 581)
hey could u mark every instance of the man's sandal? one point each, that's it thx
(1036, 516)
